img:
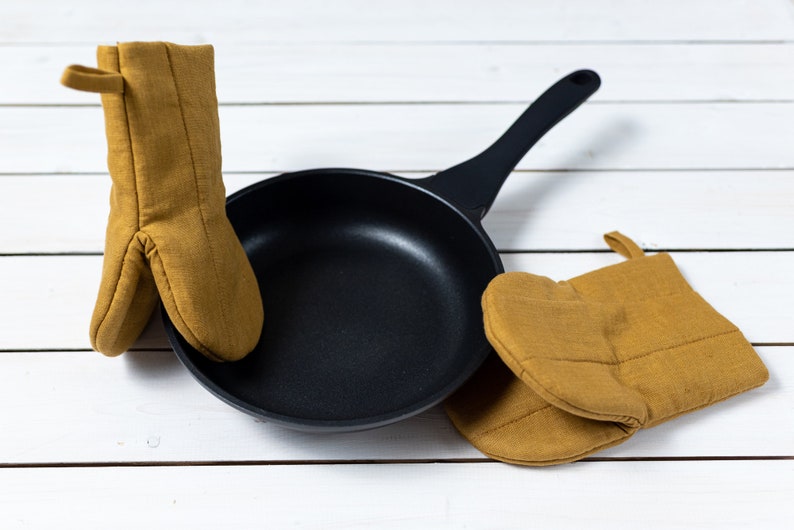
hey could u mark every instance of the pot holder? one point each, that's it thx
(587, 362)
(167, 232)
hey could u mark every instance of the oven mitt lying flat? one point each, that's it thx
(583, 364)
(167, 231)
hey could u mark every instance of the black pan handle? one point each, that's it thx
(474, 184)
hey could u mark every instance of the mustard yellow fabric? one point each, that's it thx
(167, 236)
(583, 364)
(506, 420)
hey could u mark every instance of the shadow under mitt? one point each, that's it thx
(621, 348)
(167, 231)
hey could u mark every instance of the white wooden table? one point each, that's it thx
(688, 147)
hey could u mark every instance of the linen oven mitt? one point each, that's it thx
(167, 231)
(587, 362)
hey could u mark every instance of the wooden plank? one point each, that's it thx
(659, 209)
(534, 210)
(80, 407)
(47, 301)
(65, 213)
(428, 137)
(753, 289)
(409, 20)
(299, 73)
(602, 495)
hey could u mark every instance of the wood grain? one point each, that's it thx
(599, 495)
(629, 136)
(289, 73)
(409, 20)
(535, 211)
(79, 408)
(55, 294)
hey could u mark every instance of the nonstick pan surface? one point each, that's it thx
(371, 284)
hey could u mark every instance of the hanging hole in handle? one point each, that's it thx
(581, 78)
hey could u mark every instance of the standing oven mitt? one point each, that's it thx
(167, 231)
(596, 358)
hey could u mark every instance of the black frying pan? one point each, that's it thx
(371, 284)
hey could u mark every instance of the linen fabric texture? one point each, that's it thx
(583, 364)
(167, 236)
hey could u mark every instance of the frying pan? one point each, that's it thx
(371, 284)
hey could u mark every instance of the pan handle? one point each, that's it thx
(474, 184)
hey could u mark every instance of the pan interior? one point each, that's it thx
(371, 290)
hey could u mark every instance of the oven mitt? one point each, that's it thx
(587, 362)
(167, 231)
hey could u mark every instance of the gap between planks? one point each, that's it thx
(471, 43)
(409, 461)
(501, 251)
(398, 103)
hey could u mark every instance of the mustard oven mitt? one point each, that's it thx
(583, 364)
(167, 231)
